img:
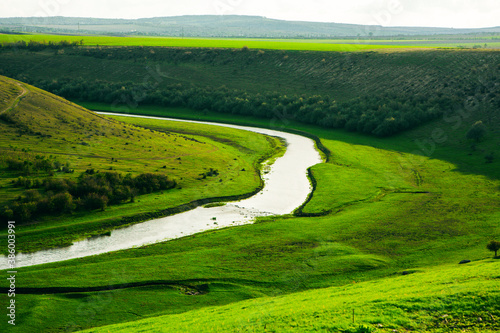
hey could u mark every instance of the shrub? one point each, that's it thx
(32, 196)
(58, 185)
(6, 213)
(121, 193)
(61, 203)
(22, 211)
(14, 165)
(95, 201)
(477, 131)
(94, 190)
(42, 165)
(493, 246)
(148, 182)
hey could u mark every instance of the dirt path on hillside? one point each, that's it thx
(18, 98)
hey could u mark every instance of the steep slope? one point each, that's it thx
(48, 125)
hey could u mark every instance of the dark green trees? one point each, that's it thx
(381, 115)
(493, 246)
(93, 190)
(477, 131)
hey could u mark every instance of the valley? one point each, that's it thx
(375, 247)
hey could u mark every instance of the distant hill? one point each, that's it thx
(220, 26)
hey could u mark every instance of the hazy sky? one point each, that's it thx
(435, 13)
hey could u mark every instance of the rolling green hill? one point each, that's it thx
(47, 141)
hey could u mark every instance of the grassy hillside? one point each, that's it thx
(405, 213)
(341, 76)
(10, 94)
(442, 299)
(41, 129)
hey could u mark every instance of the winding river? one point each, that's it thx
(286, 188)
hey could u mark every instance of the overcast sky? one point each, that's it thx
(431, 13)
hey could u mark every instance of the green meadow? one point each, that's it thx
(446, 298)
(270, 44)
(335, 45)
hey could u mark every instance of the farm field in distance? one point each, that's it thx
(337, 45)
(405, 192)
(280, 44)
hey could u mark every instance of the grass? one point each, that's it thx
(387, 224)
(331, 194)
(328, 45)
(269, 44)
(65, 132)
(453, 146)
(463, 44)
(8, 95)
(442, 299)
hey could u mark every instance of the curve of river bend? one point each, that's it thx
(286, 187)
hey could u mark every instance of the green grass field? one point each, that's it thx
(64, 132)
(270, 44)
(406, 213)
(336, 45)
(442, 299)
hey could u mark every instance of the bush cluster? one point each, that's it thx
(42, 45)
(28, 167)
(92, 190)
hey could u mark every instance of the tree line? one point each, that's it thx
(382, 115)
(92, 190)
(36, 46)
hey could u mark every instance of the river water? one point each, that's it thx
(286, 187)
